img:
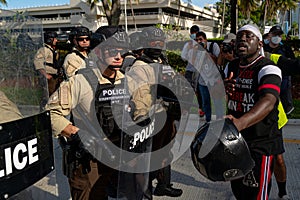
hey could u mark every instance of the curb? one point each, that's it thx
(293, 122)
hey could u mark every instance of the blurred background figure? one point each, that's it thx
(46, 61)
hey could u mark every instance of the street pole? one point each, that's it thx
(125, 13)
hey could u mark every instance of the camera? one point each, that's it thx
(227, 48)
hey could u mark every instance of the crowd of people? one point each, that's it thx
(114, 80)
(244, 57)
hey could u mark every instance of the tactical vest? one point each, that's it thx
(169, 86)
(54, 63)
(109, 105)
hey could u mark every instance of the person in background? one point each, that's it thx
(227, 53)
(214, 51)
(273, 44)
(9, 110)
(256, 115)
(149, 60)
(75, 59)
(46, 61)
(191, 73)
(266, 39)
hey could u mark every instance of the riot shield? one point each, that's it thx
(118, 123)
(26, 148)
(155, 126)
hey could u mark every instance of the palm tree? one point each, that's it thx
(112, 10)
(223, 16)
(246, 7)
(286, 5)
(132, 13)
(3, 2)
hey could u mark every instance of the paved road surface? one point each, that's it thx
(185, 176)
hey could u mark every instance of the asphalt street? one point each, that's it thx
(184, 174)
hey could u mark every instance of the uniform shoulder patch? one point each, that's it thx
(64, 94)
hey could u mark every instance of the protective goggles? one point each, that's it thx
(114, 52)
(156, 44)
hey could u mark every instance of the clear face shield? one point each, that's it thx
(26, 148)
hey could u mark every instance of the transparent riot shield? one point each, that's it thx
(156, 126)
(210, 80)
(26, 148)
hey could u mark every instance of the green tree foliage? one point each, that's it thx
(261, 12)
(3, 2)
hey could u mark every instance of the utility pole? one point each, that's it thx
(125, 13)
(233, 14)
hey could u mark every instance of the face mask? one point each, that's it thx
(193, 36)
(152, 53)
(266, 41)
(276, 39)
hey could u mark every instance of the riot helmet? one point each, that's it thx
(96, 39)
(81, 31)
(112, 40)
(49, 37)
(113, 36)
(221, 158)
(78, 33)
(153, 42)
(136, 41)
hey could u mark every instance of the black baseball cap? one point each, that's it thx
(276, 29)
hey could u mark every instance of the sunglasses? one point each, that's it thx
(82, 39)
(156, 43)
(114, 52)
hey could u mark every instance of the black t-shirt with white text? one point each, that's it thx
(252, 83)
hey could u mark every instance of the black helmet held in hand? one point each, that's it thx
(223, 157)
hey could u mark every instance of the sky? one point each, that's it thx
(30, 3)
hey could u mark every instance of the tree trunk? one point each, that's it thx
(223, 18)
(113, 14)
(265, 13)
(233, 13)
(179, 5)
(133, 16)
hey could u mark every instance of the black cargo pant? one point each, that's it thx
(164, 137)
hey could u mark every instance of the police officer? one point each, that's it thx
(75, 59)
(9, 110)
(80, 91)
(149, 62)
(46, 60)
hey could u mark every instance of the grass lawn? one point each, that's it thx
(296, 113)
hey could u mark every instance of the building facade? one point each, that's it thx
(62, 18)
